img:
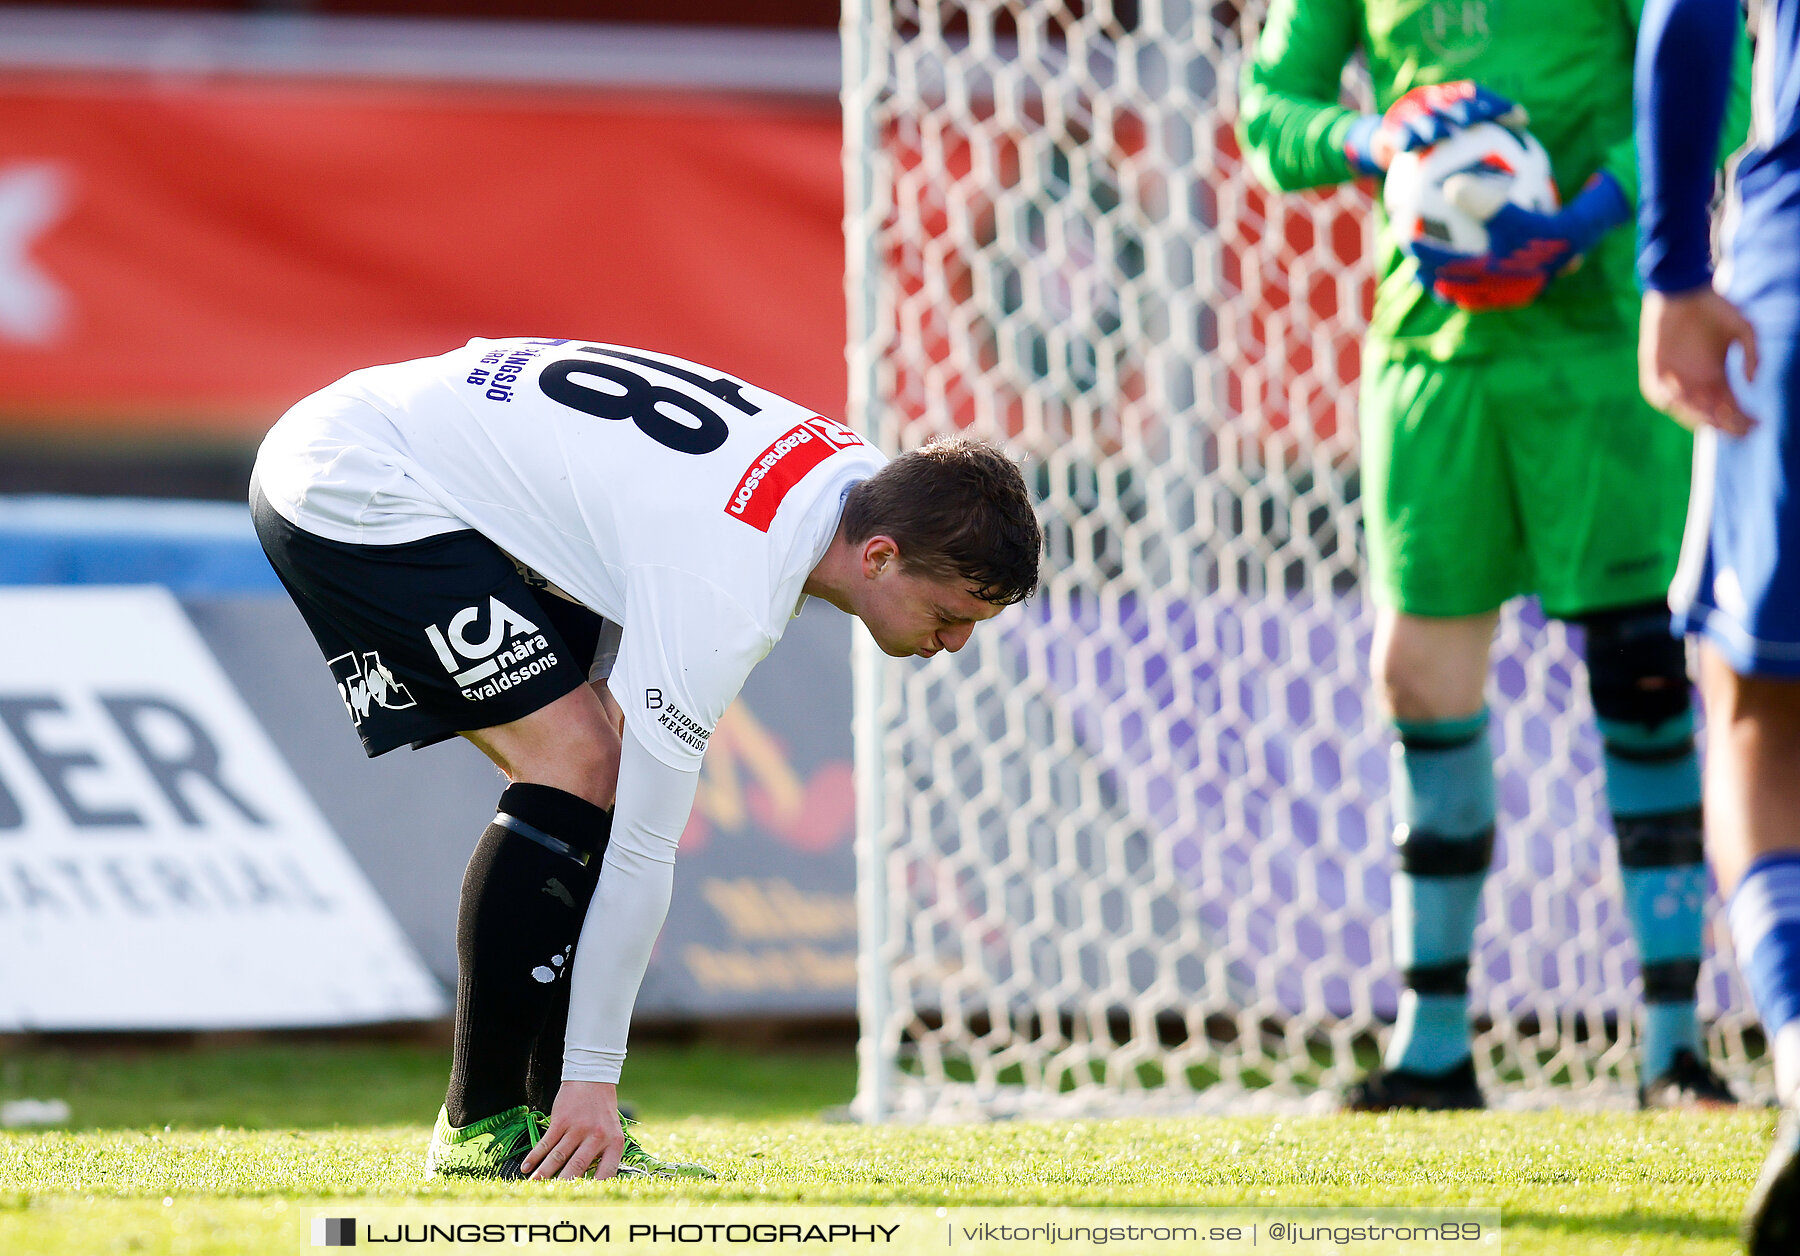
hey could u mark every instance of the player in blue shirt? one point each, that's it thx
(1723, 354)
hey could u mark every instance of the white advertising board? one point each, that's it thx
(160, 865)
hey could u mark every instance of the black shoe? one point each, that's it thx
(1772, 1217)
(1689, 1082)
(1386, 1089)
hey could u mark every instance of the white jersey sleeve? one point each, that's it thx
(686, 650)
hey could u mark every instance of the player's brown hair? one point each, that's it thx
(957, 508)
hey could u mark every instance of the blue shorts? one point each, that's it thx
(1739, 581)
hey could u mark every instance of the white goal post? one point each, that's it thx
(1128, 850)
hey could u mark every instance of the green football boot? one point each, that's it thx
(492, 1147)
(636, 1162)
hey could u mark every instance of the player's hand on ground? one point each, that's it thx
(584, 1129)
(1422, 117)
(1683, 342)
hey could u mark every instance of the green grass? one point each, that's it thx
(318, 1086)
(245, 1143)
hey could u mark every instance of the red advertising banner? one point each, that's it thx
(189, 256)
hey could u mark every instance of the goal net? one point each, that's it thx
(1128, 850)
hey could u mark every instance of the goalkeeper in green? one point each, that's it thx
(1506, 451)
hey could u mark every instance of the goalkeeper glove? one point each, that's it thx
(1523, 242)
(1421, 118)
(1525, 249)
(1472, 283)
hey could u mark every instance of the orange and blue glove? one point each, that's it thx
(1421, 118)
(1526, 250)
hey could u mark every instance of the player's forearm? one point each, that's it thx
(626, 914)
(1622, 159)
(1294, 143)
(1289, 120)
(620, 932)
(1683, 79)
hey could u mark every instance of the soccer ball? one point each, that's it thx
(1443, 195)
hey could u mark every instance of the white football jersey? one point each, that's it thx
(683, 504)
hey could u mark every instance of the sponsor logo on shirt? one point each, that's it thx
(784, 464)
(499, 370)
(508, 651)
(681, 725)
(364, 683)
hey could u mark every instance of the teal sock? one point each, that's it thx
(1431, 1033)
(1653, 789)
(1651, 769)
(1668, 1028)
(1444, 836)
(1433, 922)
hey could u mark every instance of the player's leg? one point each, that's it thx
(439, 635)
(1753, 803)
(1430, 673)
(543, 1074)
(1753, 817)
(525, 899)
(1753, 809)
(1752, 788)
(543, 1070)
(1443, 554)
(1637, 674)
(1739, 588)
(525, 895)
(1603, 531)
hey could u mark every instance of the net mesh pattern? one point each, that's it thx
(1128, 850)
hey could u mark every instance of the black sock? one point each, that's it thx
(524, 897)
(543, 1072)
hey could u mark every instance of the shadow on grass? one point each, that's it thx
(1621, 1225)
(315, 1085)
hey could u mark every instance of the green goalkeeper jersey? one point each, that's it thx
(1568, 62)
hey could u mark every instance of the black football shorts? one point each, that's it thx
(429, 638)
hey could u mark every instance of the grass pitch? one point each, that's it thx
(233, 1150)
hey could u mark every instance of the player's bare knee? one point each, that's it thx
(569, 745)
(1429, 669)
(1415, 686)
(1414, 698)
(596, 777)
(584, 762)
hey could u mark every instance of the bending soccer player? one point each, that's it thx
(1505, 451)
(572, 555)
(1739, 587)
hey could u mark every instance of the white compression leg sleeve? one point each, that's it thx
(627, 912)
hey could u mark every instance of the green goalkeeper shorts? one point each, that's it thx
(1488, 479)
